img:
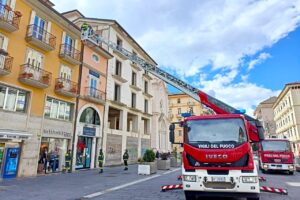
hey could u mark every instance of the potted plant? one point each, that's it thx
(174, 158)
(164, 162)
(73, 90)
(46, 79)
(59, 85)
(148, 165)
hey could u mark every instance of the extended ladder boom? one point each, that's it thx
(218, 106)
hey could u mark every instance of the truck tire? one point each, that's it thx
(291, 173)
(253, 198)
(263, 171)
(189, 195)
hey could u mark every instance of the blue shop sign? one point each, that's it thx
(89, 131)
(96, 74)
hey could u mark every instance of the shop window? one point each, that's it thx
(13, 99)
(90, 116)
(57, 109)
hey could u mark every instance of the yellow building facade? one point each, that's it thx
(178, 104)
(39, 69)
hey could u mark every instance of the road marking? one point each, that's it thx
(294, 184)
(96, 194)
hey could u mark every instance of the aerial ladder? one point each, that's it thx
(219, 107)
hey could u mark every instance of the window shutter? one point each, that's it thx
(63, 37)
(49, 27)
(33, 14)
(13, 4)
(5, 43)
(76, 44)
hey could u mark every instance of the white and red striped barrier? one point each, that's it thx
(171, 187)
(262, 179)
(273, 190)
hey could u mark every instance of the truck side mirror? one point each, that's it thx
(260, 130)
(172, 136)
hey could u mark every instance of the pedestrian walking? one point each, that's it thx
(100, 161)
(45, 159)
(125, 158)
(68, 158)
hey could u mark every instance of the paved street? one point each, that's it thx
(117, 184)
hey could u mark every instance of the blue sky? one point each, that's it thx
(241, 53)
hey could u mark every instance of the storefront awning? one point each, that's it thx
(14, 134)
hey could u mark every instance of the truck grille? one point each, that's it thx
(221, 185)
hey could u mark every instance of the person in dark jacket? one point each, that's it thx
(68, 158)
(45, 159)
(100, 161)
(125, 158)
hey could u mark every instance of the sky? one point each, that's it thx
(241, 53)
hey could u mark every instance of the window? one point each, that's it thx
(179, 132)
(90, 116)
(95, 58)
(119, 42)
(146, 86)
(34, 58)
(179, 111)
(65, 72)
(57, 109)
(117, 92)
(178, 100)
(191, 110)
(146, 106)
(133, 100)
(118, 68)
(134, 55)
(13, 99)
(133, 78)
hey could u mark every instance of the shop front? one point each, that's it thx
(88, 131)
(10, 152)
(54, 146)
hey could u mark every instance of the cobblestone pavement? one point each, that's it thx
(116, 184)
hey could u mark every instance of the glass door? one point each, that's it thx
(83, 154)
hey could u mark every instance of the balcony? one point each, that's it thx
(147, 76)
(119, 54)
(34, 76)
(66, 87)
(40, 37)
(136, 88)
(5, 64)
(69, 54)
(9, 19)
(94, 95)
(135, 66)
(147, 94)
(119, 78)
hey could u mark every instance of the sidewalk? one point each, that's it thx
(68, 186)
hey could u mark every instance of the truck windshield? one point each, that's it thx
(275, 145)
(216, 133)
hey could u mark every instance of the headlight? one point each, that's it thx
(291, 166)
(265, 166)
(189, 178)
(249, 179)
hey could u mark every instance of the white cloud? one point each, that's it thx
(186, 36)
(263, 56)
(240, 95)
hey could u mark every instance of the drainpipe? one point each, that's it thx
(77, 102)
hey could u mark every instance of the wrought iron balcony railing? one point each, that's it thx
(40, 37)
(9, 19)
(35, 76)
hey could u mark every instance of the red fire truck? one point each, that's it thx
(217, 156)
(276, 155)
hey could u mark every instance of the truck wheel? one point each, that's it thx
(263, 171)
(253, 198)
(189, 195)
(291, 173)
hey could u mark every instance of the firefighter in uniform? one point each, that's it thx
(68, 158)
(125, 158)
(100, 161)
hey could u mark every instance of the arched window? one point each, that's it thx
(90, 116)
